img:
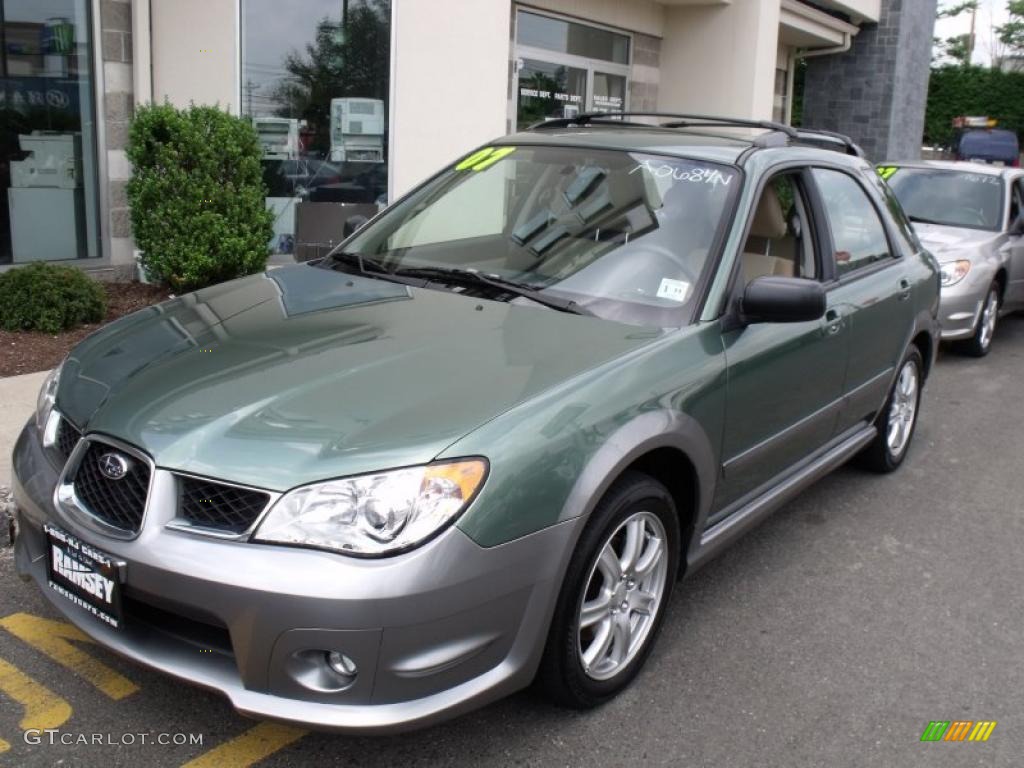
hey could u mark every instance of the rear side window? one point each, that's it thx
(858, 236)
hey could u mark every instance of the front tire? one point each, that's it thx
(980, 343)
(898, 418)
(614, 596)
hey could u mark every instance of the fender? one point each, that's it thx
(647, 432)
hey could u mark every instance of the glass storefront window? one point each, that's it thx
(569, 37)
(315, 82)
(48, 174)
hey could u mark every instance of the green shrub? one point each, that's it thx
(50, 298)
(197, 197)
(954, 91)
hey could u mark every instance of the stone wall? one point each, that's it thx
(118, 100)
(876, 92)
(645, 73)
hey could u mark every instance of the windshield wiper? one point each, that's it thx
(922, 220)
(472, 277)
(370, 267)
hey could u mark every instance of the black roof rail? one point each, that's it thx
(812, 135)
(678, 120)
(778, 134)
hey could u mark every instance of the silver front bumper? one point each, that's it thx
(958, 313)
(433, 633)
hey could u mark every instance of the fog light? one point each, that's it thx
(341, 664)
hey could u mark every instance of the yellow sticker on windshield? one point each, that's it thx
(484, 158)
(886, 171)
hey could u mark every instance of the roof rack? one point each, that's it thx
(677, 121)
(813, 134)
(778, 134)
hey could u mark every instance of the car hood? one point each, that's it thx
(949, 242)
(302, 374)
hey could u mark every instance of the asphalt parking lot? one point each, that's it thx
(830, 636)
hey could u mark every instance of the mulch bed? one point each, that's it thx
(31, 351)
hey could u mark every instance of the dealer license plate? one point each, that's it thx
(82, 574)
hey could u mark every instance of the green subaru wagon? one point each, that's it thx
(478, 445)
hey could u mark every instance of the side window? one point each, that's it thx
(858, 236)
(1016, 201)
(779, 241)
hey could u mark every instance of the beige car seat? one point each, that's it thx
(770, 248)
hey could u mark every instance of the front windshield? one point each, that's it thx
(627, 236)
(948, 197)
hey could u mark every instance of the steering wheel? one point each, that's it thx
(658, 260)
(977, 216)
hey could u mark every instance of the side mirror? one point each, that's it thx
(1017, 225)
(783, 300)
(352, 223)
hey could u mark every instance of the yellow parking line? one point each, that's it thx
(52, 638)
(249, 748)
(43, 709)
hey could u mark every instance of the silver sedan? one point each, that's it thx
(971, 217)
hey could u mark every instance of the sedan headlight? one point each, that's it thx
(952, 272)
(47, 398)
(373, 515)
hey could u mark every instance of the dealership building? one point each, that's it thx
(356, 101)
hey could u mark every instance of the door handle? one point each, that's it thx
(904, 293)
(833, 322)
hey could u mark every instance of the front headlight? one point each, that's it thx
(372, 515)
(47, 398)
(952, 272)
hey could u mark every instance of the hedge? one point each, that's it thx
(955, 91)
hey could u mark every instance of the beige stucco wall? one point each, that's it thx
(195, 52)
(450, 82)
(720, 59)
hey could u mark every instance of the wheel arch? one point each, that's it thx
(670, 447)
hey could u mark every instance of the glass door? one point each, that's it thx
(609, 93)
(564, 68)
(549, 90)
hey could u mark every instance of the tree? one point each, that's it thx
(958, 48)
(1011, 34)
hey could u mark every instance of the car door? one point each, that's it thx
(1013, 297)
(784, 380)
(870, 281)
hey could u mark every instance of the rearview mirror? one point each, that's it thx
(783, 300)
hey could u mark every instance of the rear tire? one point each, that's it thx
(897, 420)
(614, 595)
(980, 344)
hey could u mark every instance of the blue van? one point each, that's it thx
(993, 145)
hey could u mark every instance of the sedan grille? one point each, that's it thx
(120, 502)
(67, 438)
(226, 508)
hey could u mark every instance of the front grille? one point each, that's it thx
(67, 438)
(220, 507)
(120, 503)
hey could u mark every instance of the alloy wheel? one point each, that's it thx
(624, 592)
(989, 316)
(903, 409)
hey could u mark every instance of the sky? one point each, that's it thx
(990, 13)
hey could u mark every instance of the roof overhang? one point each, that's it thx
(805, 27)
